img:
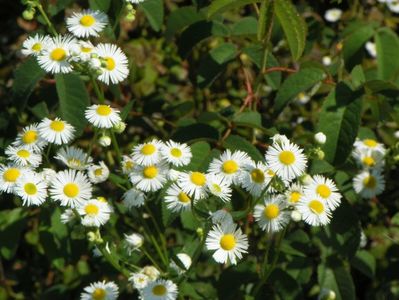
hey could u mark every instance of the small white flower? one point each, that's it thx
(333, 15)
(314, 210)
(159, 289)
(9, 175)
(67, 216)
(370, 144)
(30, 138)
(326, 60)
(100, 290)
(369, 183)
(34, 45)
(133, 198)
(127, 164)
(176, 200)
(151, 272)
(133, 241)
(139, 280)
(104, 141)
(185, 260)
(218, 187)
(368, 159)
(74, 158)
(371, 49)
(193, 184)
(326, 189)
(31, 188)
(176, 154)
(149, 178)
(87, 23)
(98, 173)
(255, 178)
(56, 131)
(294, 194)
(393, 6)
(102, 116)
(221, 216)
(83, 50)
(94, 212)
(302, 98)
(23, 156)
(115, 64)
(272, 216)
(148, 153)
(320, 138)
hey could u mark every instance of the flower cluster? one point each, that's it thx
(369, 156)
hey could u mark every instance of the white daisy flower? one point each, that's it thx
(67, 216)
(133, 242)
(87, 23)
(102, 116)
(333, 15)
(71, 188)
(148, 153)
(371, 49)
(159, 289)
(47, 175)
(272, 216)
(286, 160)
(94, 212)
(31, 188)
(98, 173)
(176, 200)
(294, 194)
(229, 165)
(314, 210)
(56, 131)
(393, 6)
(369, 183)
(193, 184)
(151, 272)
(23, 156)
(34, 45)
(228, 241)
(176, 154)
(127, 164)
(367, 158)
(83, 51)
(370, 144)
(30, 138)
(115, 64)
(173, 175)
(326, 189)
(255, 178)
(139, 280)
(100, 290)
(218, 187)
(9, 174)
(55, 58)
(133, 198)
(149, 178)
(185, 260)
(74, 158)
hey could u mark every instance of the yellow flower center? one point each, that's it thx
(230, 166)
(216, 188)
(227, 242)
(198, 178)
(271, 211)
(110, 63)
(150, 172)
(57, 125)
(87, 20)
(370, 143)
(86, 49)
(74, 162)
(129, 165)
(99, 294)
(11, 175)
(270, 173)
(91, 209)
(316, 206)
(257, 176)
(287, 158)
(71, 190)
(148, 149)
(370, 182)
(183, 197)
(369, 161)
(159, 290)
(30, 188)
(102, 199)
(23, 153)
(294, 197)
(103, 110)
(176, 152)
(98, 172)
(58, 54)
(36, 47)
(29, 137)
(323, 190)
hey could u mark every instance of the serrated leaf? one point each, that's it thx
(294, 26)
(387, 43)
(154, 11)
(220, 6)
(235, 142)
(248, 118)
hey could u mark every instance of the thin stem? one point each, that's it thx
(91, 145)
(97, 90)
(116, 147)
(46, 19)
(151, 259)
(158, 229)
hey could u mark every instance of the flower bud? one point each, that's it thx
(305, 179)
(134, 241)
(28, 14)
(95, 63)
(91, 236)
(120, 127)
(320, 138)
(151, 272)
(326, 60)
(296, 216)
(104, 141)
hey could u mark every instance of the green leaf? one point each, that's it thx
(126, 110)
(195, 132)
(340, 120)
(365, 263)
(200, 151)
(248, 118)
(293, 25)
(188, 221)
(382, 87)
(220, 6)
(214, 63)
(154, 11)
(298, 82)
(12, 222)
(27, 75)
(265, 19)
(180, 18)
(246, 26)
(235, 142)
(102, 5)
(387, 43)
(73, 100)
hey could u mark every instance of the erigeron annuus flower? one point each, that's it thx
(149, 178)
(94, 212)
(56, 131)
(367, 158)
(294, 194)
(326, 189)
(47, 175)
(23, 156)
(100, 290)
(176, 200)
(133, 242)
(9, 174)
(34, 45)
(271, 215)
(255, 178)
(139, 280)
(370, 144)
(286, 160)
(193, 184)
(55, 58)
(147, 153)
(159, 289)
(102, 116)
(98, 173)
(71, 188)
(314, 210)
(218, 187)
(30, 138)
(84, 50)
(87, 23)
(369, 183)
(333, 15)
(74, 158)
(151, 272)
(133, 198)
(176, 154)
(127, 164)
(228, 241)
(31, 188)
(393, 6)
(115, 63)
(67, 216)
(229, 165)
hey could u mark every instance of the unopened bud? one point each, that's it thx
(319, 154)
(28, 14)
(104, 141)
(91, 236)
(200, 232)
(296, 216)
(305, 179)
(320, 138)
(120, 127)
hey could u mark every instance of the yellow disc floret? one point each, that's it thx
(110, 63)
(159, 290)
(323, 190)
(257, 176)
(227, 242)
(29, 137)
(230, 166)
(23, 153)
(103, 110)
(183, 197)
(87, 20)
(71, 190)
(198, 178)
(271, 211)
(57, 125)
(176, 152)
(58, 54)
(11, 175)
(316, 206)
(30, 188)
(150, 172)
(287, 158)
(148, 149)
(99, 294)
(370, 182)
(91, 209)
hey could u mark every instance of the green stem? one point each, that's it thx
(112, 261)
(97, 90)
(116, 147)
(91, 145)
(46, 19)
(151, 259)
